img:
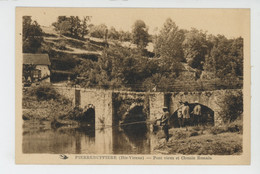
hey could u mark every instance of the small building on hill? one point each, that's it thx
(36, 67)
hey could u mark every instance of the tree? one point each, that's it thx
(236, 53)
(140, 34)
(168, 43)
(113, 34)
(226, 58)
(84, 26)
(231, 106)
(72, 26)
(98, 31)
(195, 48)
(124, 36)
(32, 35)
(62, 25)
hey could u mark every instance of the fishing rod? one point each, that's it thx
(102, 127)
(122, 124)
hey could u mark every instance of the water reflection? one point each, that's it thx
(40, 137)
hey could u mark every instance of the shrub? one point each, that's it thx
(75, 114)
(236, 126)
(231, 106)
(47, 92)
(192, 134)
(62, 45)
(180, 135)
(217, 130)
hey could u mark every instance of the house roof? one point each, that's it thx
(36, 59)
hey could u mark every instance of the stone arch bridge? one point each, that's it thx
(111, 107)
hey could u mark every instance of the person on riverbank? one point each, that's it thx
(197, 114)
(164, 122)
(179, 114)
(186, 114)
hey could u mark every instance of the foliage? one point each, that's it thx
(124, 36)
(218, 130)
(216, 62)
(32, 35)
(72, 26)
(98, 31)
(235, 126)
(119, 67)
(46, 92)
(168, 43)
(231, 106)
(226, 57)
(113, 34)
(195, 143)
(140, 34)
(40, 109)
(195, 48)
(63, 62)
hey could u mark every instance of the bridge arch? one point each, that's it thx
(134, 122)
(208, 115)
(89, 115)
(134, 114)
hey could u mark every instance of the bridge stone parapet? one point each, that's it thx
(110, 106)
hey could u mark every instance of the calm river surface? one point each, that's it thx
(40, 137)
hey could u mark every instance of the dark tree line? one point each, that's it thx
(32, 35)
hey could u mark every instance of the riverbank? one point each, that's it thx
(224, 140)
(43, 103)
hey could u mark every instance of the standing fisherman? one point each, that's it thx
(164, 122)
(186, 114)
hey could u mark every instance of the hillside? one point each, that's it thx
(143, 73)
(66, 52)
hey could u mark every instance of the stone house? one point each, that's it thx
(36, 67)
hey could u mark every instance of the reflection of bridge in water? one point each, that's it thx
(110, 108)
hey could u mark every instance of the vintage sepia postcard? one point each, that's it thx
(132, 86)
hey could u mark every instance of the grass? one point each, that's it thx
(225, 140)
(44, 103)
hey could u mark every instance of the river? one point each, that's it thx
(40, 137)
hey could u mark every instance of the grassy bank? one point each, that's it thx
(45, 103)
(224, 140)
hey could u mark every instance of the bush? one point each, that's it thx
(192, 134)
(231, 106)
(62, 45)
(217, 130)
(47, 92)
(236, 126)
(180, 135)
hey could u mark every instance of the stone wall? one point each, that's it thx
(111, 106)
(156, 103)
(101, 101)
(207, 98)
(68, 92)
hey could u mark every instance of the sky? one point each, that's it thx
(229, 22)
